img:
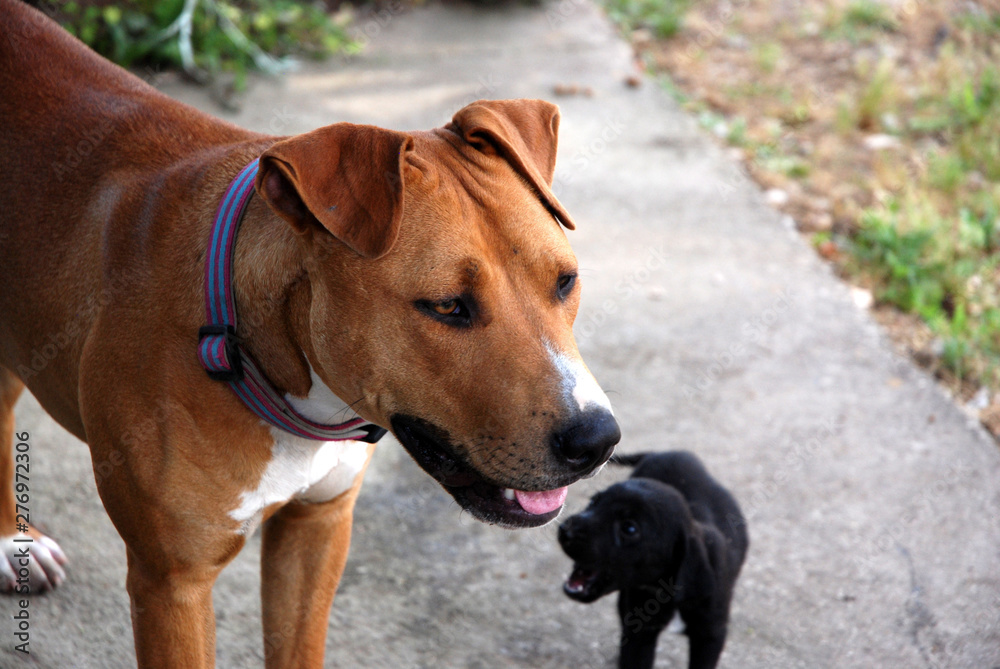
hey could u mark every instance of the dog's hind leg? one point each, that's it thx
(29, 560)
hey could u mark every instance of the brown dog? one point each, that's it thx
(418, 280)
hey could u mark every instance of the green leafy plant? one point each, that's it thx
(206, 36)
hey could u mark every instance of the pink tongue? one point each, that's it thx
(538, 503)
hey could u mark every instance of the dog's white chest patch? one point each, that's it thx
(304, 469)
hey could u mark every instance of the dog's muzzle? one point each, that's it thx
(576, 447)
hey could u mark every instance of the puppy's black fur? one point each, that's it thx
(672, 541)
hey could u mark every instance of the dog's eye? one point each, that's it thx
(453, 311)
(628, 529)
(447, 308)
(564, 286)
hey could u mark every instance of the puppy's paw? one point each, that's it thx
(30, 563)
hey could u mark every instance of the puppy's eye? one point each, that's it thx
(564, 286)
(628, 529)
(453, 311)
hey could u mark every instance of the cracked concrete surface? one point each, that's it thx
(713, 327)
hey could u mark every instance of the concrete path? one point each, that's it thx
(874, 504)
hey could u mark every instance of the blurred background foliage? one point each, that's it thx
(206, 37)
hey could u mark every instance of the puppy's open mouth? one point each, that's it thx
(586, 585)
(486, 500)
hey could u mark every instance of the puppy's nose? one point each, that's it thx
(588, 441)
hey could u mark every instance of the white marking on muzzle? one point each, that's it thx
(577, 381)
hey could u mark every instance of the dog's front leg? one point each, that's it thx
(176, 549)
(29, 560)
(638, 650)
(303, 553)
(706, 648)
(177, 532)
(172, 616)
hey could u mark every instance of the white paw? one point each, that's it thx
(30, 564)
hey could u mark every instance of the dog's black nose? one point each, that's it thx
(588, 441)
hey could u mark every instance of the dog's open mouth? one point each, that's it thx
(484, 499)
(586, 585)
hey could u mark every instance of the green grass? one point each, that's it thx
(861, 21)
(933, 248)
(869, 14)
(663, 17)
(877, 98)
(980, 23)
(943, 269)
(928, 239)
(768, 55)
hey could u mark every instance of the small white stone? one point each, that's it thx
(880, 142)
(863, 298)
(776, 197)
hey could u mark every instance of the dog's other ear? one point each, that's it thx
(346, 178)
(695, 577)
(525, 133)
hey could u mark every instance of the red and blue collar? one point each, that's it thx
(219, 349)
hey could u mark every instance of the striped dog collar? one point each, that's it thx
(219, 349)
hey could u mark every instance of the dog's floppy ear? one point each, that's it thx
(525, 133)
(695, 578)
(347, 178)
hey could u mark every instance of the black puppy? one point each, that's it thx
(672, 540)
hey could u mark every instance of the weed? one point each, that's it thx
(980, 22)
(945, 171)
(940, 269)
(663, 17)
(768, 56)
(869, 14)
(877, 97)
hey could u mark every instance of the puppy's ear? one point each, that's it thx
(345, 178)
(695, 577)
(525, 133)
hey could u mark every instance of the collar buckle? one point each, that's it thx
(219, 350)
